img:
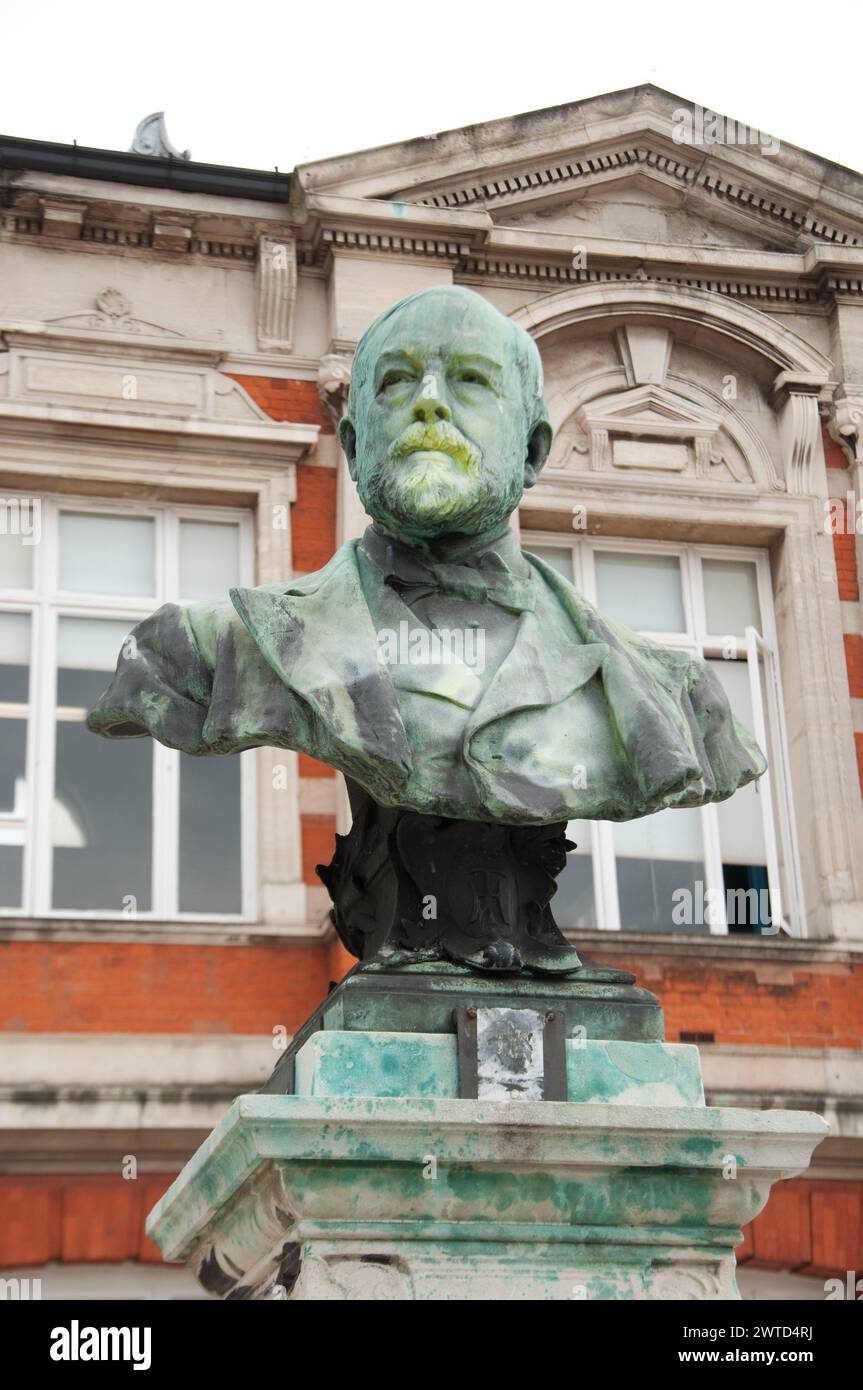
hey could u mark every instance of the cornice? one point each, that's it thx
(466, 238)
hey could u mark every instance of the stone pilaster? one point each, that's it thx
(276, 293)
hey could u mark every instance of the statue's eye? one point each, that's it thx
(469, 376)
(396, 376)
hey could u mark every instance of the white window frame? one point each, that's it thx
(772, 736)
(790, 916)
(46, 604)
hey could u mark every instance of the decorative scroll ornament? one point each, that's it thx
(114, 312)
(151, 138)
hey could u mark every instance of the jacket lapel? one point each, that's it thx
(646, 690)
(318, 636)
(536, 672)
(451, 679)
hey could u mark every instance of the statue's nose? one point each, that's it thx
(430, 406)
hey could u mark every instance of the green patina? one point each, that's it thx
(356, 1063)
(446, 427)
(622, 1201)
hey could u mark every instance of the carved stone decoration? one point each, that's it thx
(600, 454)
(334, 380)
(650, 427)
(276, 293)
(361, 1277)
(795, 396)
(644, 353)
(114, 311)
(683, 1284)
(151, 138)
(845, 423)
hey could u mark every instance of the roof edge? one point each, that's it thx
(151, 171)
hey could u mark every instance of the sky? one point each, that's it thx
(275, 84)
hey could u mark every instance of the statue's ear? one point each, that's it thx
(348, 441)
(538, 446)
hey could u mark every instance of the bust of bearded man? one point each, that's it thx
(456, 681)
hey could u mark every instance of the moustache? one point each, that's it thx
(437, 435)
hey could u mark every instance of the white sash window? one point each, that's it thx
(98, 828)
(728, 867)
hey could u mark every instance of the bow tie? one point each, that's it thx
(488, 580)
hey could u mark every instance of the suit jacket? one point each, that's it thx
(582, 719)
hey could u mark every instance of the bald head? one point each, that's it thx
(446, 423)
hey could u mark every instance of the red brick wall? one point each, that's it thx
(854, 662)
(834, 455)
(809, 1226)
(92, 1217)
(152, 988)
(284, 398)
(770, 1004)
(313, 518)
(318, 844)
(103, 987)
(845, 551)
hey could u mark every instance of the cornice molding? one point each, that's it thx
(714, 177)
(127, 387)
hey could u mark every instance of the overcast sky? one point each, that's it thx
(275, 83)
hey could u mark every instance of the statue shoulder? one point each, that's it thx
(209, 624)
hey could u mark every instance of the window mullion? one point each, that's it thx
(28, 878)
(166, 830)
(44, 693)
(695, 595)
(715, 884)
(166, 761)
(605, 878)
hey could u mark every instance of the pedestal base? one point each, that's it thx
(415, 1195)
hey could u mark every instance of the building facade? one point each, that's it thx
(175, 351)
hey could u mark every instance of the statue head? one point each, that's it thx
(446, 423)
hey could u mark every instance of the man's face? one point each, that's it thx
(440, 440)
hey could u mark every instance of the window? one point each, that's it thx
(91, 827)
(729, 867)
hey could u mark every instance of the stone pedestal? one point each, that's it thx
(374, 1180)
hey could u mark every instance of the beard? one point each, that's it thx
(433, 483)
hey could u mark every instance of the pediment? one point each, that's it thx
(609, 162)
(645, 208)
(649, 411)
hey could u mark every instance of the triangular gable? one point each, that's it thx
(643, 144)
